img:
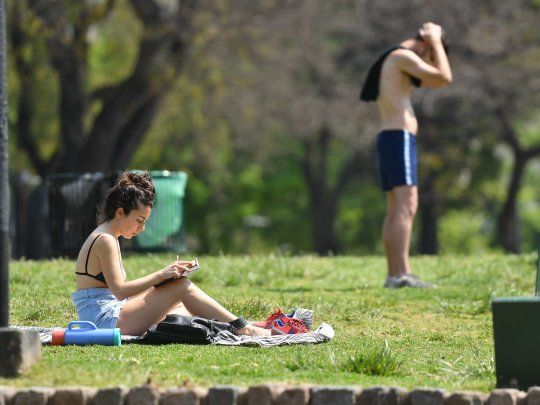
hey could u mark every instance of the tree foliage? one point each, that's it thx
(98, 128)
(257, 101)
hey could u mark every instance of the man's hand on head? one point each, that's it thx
(431, 32)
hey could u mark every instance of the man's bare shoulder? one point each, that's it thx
(403, 55)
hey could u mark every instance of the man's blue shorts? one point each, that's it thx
(396, 154)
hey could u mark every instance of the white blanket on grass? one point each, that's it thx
(323, 333)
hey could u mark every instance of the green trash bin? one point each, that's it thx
(516, 331)
(164, 231)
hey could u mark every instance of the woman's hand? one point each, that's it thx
(173, 270)
(184, 266)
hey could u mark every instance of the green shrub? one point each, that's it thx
(461, 232)
(374, 360)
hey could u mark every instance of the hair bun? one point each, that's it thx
(130, 191)
(141, 180)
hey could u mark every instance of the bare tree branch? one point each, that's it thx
(508, 131)
(133, 133)
(532, 152)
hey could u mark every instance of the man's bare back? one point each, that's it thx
(394, 102)
(426, 61)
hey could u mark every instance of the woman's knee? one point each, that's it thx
(182, 284)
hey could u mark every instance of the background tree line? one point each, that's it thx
(258, 103)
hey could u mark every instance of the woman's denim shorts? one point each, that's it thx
(97, 305)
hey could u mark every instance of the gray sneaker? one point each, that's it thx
(305, 315)
(408, 280)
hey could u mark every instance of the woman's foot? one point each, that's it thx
(251, 330)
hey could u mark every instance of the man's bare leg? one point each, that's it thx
(397, 228)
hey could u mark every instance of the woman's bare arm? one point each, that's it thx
(107, 252)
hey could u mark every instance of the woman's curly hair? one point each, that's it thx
(131, 190)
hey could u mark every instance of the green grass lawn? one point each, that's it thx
(410, 338)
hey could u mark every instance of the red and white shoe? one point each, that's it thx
(288, 326)
(277, 314)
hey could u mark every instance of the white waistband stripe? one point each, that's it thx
(407, 157)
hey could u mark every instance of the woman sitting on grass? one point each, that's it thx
(104, 295)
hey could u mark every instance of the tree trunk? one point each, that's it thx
(507, 221)
(71, 67)
(429, 241)
(323, 198)
(324, 215)
(507, 229)
(127, 108)
(126, 116)
(322, 202)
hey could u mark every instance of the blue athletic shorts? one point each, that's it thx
(396, 154)
(98, 305)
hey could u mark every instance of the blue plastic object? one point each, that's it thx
(86, 333)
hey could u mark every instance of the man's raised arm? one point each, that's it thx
(437, 74)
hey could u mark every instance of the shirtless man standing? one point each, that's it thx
(421, 61)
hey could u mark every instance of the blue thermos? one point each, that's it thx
(86, 333)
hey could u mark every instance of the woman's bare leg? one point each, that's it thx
(249, 329)
(140, 312)
(180, 309)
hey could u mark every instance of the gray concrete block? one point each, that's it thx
(393, 396)
(466, 398)
(31, 396)
(19, 350)
(504, 396)
(110, 396)
(521, 398)
(242, 395)
(222, 395)
(181, 396)
(369, 396)
(427, 396)
(72, 396)
(533, 396)
(265, 394)
(298, 395)
(6, 393)
(332, 396)
(143, 395)
(202, 393)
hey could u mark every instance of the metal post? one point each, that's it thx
(537, 291)
(19, 349)
(4, 185)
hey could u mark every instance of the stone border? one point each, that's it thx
(266, 394)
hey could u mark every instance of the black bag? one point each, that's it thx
(185, 329)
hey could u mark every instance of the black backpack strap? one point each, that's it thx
(185, 329)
